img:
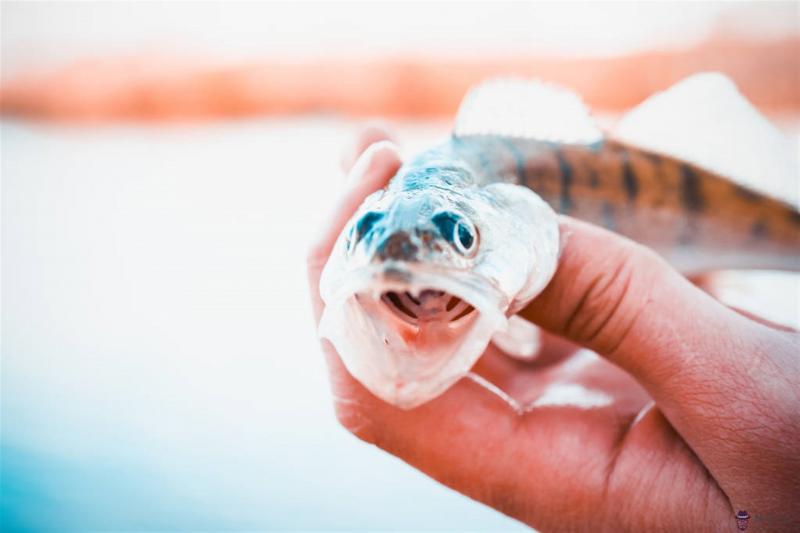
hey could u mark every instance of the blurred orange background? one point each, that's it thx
(403, 76)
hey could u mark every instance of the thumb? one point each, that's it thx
(712, 371)
(625, 302)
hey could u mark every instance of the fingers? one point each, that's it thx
(708, 367)
(372, 171)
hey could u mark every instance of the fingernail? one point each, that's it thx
(364, 162)
(370, 132)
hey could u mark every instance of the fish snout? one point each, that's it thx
(398, 246)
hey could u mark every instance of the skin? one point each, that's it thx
(704, 417)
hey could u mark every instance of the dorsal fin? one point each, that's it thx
(524, 108)
(705, 120)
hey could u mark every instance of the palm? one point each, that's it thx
(597, 440)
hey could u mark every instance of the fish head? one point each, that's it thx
(421, 279)
(431, 227)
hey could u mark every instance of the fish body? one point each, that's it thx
(698, 220)
(430, 268)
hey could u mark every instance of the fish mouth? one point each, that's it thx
(427, 305)
(409, 333)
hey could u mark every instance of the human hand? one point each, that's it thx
(691, 413)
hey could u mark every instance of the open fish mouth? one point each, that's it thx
(427, 305)
(408, 335)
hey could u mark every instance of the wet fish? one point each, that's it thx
(430, 268)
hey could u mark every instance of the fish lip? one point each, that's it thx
(397, 274)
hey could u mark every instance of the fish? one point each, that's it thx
(435, 265)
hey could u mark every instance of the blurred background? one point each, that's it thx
(164, 166)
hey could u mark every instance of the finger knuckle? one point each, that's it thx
(353, 419)
(612, 298)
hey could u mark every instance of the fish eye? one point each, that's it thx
(457, 230)
(365, 224)
(464, 238)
